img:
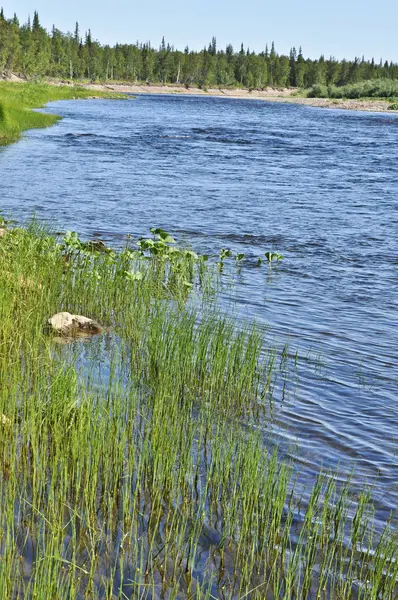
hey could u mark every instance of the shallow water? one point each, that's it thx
(319, 186)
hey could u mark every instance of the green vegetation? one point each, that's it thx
(17, 100)
(375, 88)
(30, 50)
(133, 465)
(273, 257)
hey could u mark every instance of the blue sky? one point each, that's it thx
(343, 28)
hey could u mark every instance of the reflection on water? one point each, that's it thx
(318, 186)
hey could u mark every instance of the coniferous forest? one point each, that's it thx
(30, 50)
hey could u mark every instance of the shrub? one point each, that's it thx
(374, 88)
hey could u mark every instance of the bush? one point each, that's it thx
(318, 91)
(374, 88)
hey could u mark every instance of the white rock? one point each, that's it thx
(67, 324)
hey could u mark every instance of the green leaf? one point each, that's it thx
(225, 253)
(134, 275)
(163, 235)
(270, 256)
(167, 238)
(145, 244)
(156, 230)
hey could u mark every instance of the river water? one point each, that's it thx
(319, 186)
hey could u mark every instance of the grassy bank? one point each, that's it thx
(373, 89)
(18, 99)
(133, 464)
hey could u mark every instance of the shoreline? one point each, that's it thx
(285, 95)
(18, 100)
(101, 442)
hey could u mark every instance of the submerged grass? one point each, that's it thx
(18, 99)
(134, 465)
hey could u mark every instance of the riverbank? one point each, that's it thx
(365, 104)
(192, 91)
(136, 457)
(286, 95)
(11, 131)
(19, 99)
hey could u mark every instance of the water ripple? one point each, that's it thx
(318, 186)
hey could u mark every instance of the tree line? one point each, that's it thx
(31, 50)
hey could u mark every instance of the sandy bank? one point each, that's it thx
(369, 105)
(285, 95)
(182, 90)
(270, 94)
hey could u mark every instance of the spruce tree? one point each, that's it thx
(77, 34)
(36, 22)
(31, 50)
(292, 66)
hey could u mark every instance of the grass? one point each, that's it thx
(134, 465)
(18, 99)
(374, 89)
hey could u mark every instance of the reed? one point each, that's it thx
(133, 465)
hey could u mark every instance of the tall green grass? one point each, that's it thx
(133, 465)
(18, 99)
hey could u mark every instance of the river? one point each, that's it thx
(319, 186)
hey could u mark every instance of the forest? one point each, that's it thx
(31, 51)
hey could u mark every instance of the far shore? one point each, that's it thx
(286, 95)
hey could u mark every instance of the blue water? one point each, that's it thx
(319, 186)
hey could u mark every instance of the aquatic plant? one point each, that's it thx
(134, 466)
(270, 258)
(273, 256)
(225, 253)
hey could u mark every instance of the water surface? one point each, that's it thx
(318, 186)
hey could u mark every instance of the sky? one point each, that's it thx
(343, 28)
